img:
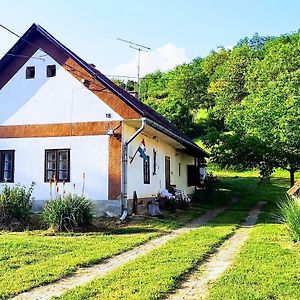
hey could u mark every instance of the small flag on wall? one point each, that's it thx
(142, 150)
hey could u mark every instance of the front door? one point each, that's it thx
(167, 172)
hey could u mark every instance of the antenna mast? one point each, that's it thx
(139, 48)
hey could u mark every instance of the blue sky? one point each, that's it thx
(177, 31)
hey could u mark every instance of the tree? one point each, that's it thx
(263, 128)
(178, 94)
(128, 85)
(256, 42)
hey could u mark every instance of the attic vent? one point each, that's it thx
(51, 70)
(30, 72)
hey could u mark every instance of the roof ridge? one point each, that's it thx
(143, 109)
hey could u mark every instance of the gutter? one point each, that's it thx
(124, 168)
(174, 135)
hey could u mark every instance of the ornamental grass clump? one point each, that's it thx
(289, 213)
(68, 212)
(15, 203)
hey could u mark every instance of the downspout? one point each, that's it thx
(124, 168)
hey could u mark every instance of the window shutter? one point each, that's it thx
(193, 175)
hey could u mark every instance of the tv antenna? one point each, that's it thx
(139, 48)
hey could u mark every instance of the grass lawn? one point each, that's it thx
(154, 274)
(29, 259)
(268, 267)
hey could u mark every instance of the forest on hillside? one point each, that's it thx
(243, 103)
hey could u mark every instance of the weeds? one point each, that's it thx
(289, 213)
(68, 212)
(15, 203)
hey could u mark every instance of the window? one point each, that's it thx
(179, 169)
(7, 160)
(30, 72)
(147, 170)
(51, 71)
(57, 165)
(154, 161)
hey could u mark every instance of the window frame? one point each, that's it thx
(12, 166)
(51, 71)
(146, 170)
(56, 170)
(30, 72)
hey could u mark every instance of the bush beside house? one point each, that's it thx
(15, 204)
(68, 212)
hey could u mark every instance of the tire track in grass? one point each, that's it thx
(196, 285)
(85, 275)
(152, 275)
(267, 267)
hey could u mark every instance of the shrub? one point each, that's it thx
(15, 203)
(211, 185)
(68, 212)
(289, 213)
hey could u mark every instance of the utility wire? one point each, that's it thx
(24, 56)
(71, 67)
(91, 77)
(10, 31)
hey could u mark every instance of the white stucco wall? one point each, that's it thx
(88, 154)
(157, 182)
(42, 100)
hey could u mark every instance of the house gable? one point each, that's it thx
(28, 46)
(50, 100)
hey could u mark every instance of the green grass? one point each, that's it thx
(268, 267)
(171, 220)
(29, 259)
(269, 263)
(152, 275)
(245, 186)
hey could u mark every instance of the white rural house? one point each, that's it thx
(61, 117)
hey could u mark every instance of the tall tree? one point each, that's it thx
(178, 94)
(262, 129)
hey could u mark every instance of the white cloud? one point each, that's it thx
(164, 58)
